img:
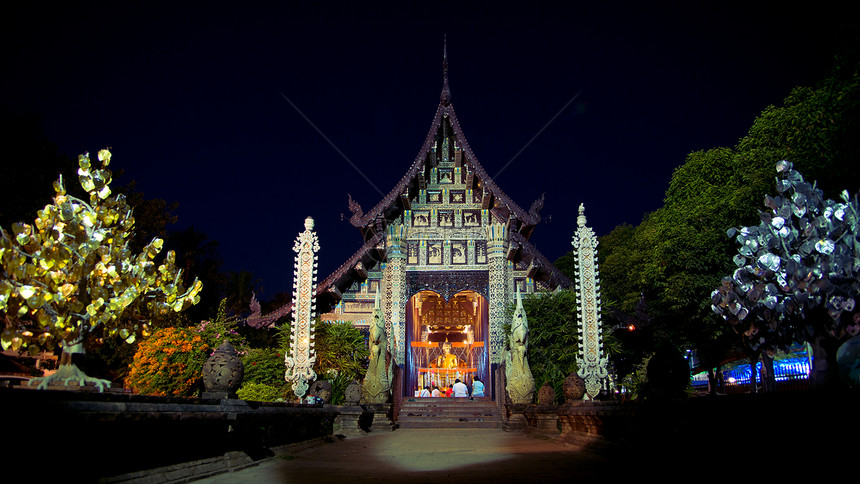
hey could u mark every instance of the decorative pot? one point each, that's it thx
(573, 388)
(223, 371)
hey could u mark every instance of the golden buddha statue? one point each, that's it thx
(446, 359)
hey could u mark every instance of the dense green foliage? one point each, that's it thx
(264, 376)
(553, 339)
(679, 253)
(341, 353)
(261, 392)
(222, 328)
(264, 365)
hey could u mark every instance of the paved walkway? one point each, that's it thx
(425, 456)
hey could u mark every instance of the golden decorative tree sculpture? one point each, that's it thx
(72, 272)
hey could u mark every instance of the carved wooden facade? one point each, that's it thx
(447, 228)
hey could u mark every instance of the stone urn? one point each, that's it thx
(223, 371)
(352, 394)
(546, 394)
(321, 389)
(573, 388)
(848, 361)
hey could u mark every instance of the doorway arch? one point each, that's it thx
(446, 339)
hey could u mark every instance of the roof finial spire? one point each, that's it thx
(446, 92)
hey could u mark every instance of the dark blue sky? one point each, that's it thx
(190, 99)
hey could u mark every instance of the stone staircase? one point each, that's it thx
(449, 413)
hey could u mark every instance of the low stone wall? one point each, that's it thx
(774, 424)
(92, 435)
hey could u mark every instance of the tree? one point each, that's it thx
(678, 253)
(37, 161)
(198, 257)
(341, 355)
(241, 287)
(798, 274)
(72, 272)
(152, 216)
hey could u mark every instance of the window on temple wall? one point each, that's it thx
(480, 251)
(458, 252)
(457, 196)
(412, 253)
(434, 252)
(434, 196)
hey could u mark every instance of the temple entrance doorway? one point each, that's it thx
(447, 340)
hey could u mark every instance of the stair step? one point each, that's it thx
(439, 412)
(436, 424)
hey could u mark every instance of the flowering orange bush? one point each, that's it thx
(169, 362)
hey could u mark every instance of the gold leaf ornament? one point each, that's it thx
(154, 248)
(104, 156)
(22, 233)
(26, 291)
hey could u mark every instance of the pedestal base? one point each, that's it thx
(381, 417)
(516, 420)
(542, 419)
(351, 421)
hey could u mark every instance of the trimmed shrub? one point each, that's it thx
(260, 392)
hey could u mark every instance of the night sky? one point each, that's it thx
(588, 105)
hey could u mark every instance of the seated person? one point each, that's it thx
(460, 389)
(436, 392)
(477, 388)
(425, 392)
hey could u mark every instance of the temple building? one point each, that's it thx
(448, 251)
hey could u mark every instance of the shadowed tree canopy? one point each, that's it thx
(241, 286)
(199, 258)
(678, 253)
(31, 165)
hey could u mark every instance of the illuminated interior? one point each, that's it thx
(447, 340)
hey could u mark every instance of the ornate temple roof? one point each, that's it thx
(504, 210)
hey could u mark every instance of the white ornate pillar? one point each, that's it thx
(300, 360)
(395, 274)
(497, 240)
(591, 360)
